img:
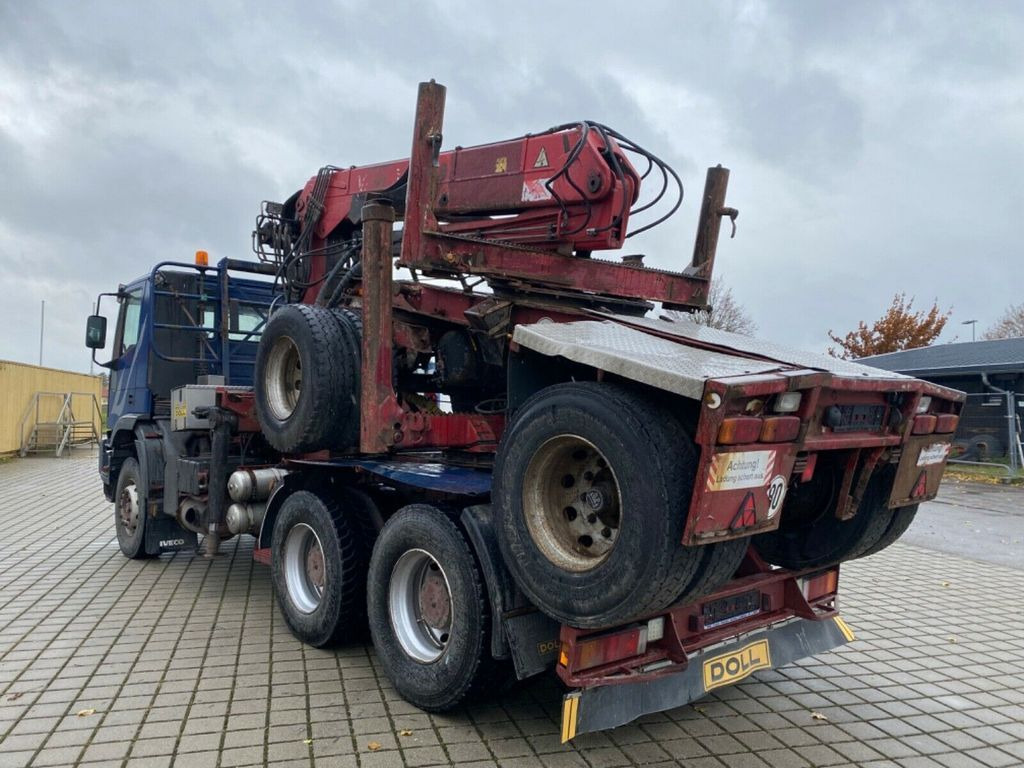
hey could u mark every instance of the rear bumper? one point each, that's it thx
(599, 708)
(741, 488)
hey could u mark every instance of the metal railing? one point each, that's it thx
(989, 433)
(65, 430)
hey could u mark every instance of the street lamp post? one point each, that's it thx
(971, 323)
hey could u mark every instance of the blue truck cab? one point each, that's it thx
(179, 324)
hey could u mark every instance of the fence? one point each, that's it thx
(20, 383)
(990, 431)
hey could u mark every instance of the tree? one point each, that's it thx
(1009, 326)
(899, 328)
(726, 313)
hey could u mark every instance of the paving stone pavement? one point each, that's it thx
(184, 661)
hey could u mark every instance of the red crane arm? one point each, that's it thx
(568, 189)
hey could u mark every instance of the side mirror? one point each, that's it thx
(96, 332)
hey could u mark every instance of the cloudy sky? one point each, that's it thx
(875, 147)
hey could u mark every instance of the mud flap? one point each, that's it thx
(609, 706)
(533, 638)
(163, 534)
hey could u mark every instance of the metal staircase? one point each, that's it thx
(41, 432)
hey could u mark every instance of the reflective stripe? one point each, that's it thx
(570, 710)
(845, 629)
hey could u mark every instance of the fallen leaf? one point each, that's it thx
(16, 695)
(86, 712)
(945, 583)
(307, 741)
(818, 716)
(374, 746)
(405, 732)
(952, 640)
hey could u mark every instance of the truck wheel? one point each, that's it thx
(592, 486)
(810, 535)
(428, 611)
(130, 513)
(901, 520)
(319, 570)
(306, 377)
(986, 447)
(718, 564)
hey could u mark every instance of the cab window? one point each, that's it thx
(131, 315)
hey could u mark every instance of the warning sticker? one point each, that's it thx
(743, 469)
(535, 190)
(935, 453)
(542, 159)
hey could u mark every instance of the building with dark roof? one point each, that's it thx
(982, 369)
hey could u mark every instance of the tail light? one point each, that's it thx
(946, 422)
(924, 404)
(820, 585)
(924, 424)
(739, 429)
(604, 649)
(780, 429)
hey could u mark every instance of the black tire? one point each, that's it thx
(901, 520)
(718, 565)
(986, 447)
(434, 666)
(307, 379)
(337, 613)
(644, 485)
(130, 511)
(351, 326)
(809, 533)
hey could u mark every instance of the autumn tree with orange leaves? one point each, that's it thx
(899, 328)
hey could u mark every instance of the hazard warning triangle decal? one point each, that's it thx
(746, 515)
(542, 159)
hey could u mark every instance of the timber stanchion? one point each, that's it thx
(380, 411)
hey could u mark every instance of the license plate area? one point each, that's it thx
(728, 609)
(858, 418)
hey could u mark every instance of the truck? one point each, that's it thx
(522, 456)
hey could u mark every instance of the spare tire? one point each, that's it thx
(307, 379)
(592, 486)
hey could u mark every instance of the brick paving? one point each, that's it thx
(184, 661)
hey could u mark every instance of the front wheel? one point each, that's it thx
(130, 512)
(428, 612)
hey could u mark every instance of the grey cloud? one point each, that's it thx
(875, 146)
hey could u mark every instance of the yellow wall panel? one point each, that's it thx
(20, 382)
